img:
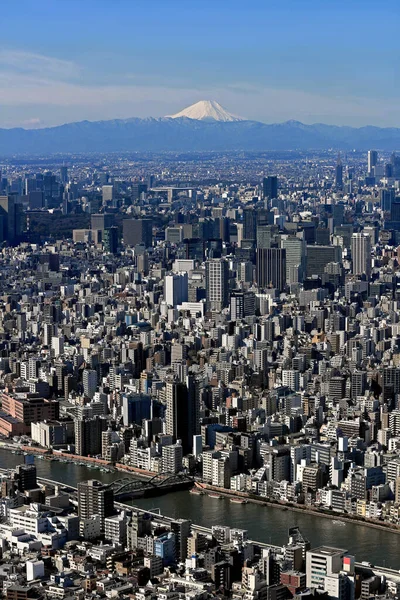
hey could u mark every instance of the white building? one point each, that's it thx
(172, 458)
(34, 569)
(115, 529)
(176, 289)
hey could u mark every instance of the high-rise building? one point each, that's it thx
(137, 190)
(88, 435)
(217, 285)
(89, 379)
(372, 161)
(11, 219)
(181, 529)
(102, 221)
(387, 197)
(270, 187)
(266, 235)
(320, 256)
(137, 231)
(182, 415)
(271, 267)
(94, 498)
(110, 240)
(135, 408)
(361, 254)
(242, 304)
(172, 455)
(296, 251)
(249, 224)
(64, 174)
(107, 193)
(322, 562)
(176, 288)
(26, 477)
(395, 164)
(339, 173)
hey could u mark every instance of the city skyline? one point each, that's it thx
(310, 63)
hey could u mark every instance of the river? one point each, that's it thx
(263, 523)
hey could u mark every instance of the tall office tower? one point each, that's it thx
(11, 217)
(217, 285)
(337, 215)
(138, 189)
(270, 187)
(361, 254)
(107, 192)
(372, 161)
(110, 240)
(266, 235)
(271, 268)
(137, 231)
(89, 379)
(243, 304)
(64, 174)
(249, 224)
(88, 436)
(387, 197)
(395, 213)
(296, 251)
(194, 248)
(183, 407)
(102, 221)
(51, 189)
(339, 173)
(395, 164)
(319, 256)
(94, 498)
(176, 288)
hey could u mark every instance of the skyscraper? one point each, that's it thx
(182, 416)
(101, 221)
(64, 174)
(242, 304)
(339, 173)
(249, 224)
(11, 214)
(88, 436)
(137, 231)
(89, 379)
(372, 160)
(296, 251)
(361, 254)
(270, 187)
(217, 288)
(271, 267)
(110, 240)
(176, 288)
(387, 197)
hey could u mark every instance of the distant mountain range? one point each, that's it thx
(204, 126)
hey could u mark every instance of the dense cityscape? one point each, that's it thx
(224, 325)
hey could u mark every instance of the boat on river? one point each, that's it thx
(238, 501)
(215, 496)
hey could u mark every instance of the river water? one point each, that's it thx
(263, 523)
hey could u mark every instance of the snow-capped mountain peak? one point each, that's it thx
(206, 110)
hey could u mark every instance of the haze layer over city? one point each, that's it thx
(199, 300)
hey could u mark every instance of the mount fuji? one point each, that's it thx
(207, 110)
(202, 127)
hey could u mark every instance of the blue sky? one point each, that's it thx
(311, 60)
